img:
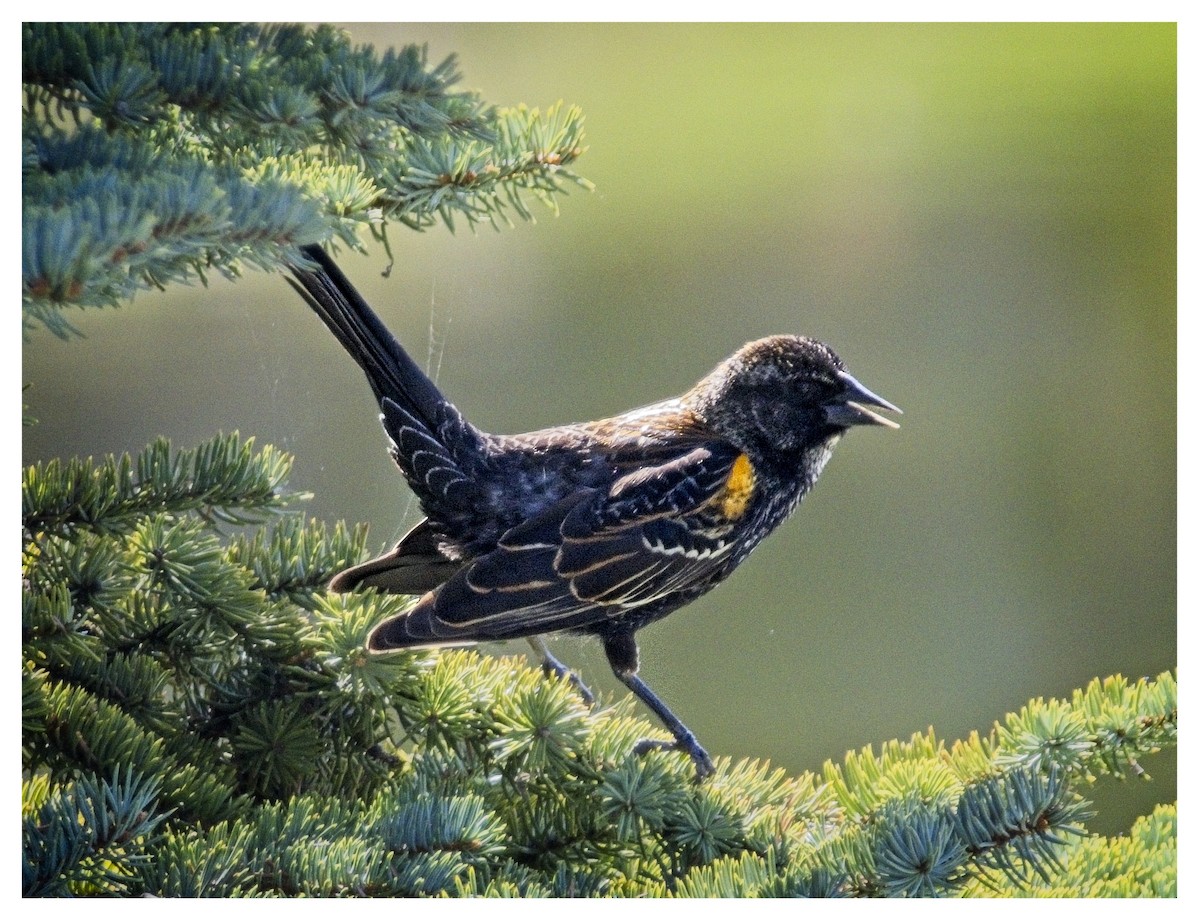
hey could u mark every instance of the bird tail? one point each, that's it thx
(389, 369)
(431, 442)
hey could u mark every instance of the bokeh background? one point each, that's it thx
(979, 218)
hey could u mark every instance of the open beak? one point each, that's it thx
(850, 406)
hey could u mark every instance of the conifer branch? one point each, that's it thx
(155, 153)
(89, 836)
(213, 671)
(295, 560)
(224, 479)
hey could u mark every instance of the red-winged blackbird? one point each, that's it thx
(596, 528)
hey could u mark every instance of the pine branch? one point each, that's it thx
(285, 760)
(1141, 864)
(481, 180)
(155, 153)
(89, 735)
(294, 560)
(223, 479)
(468, 775)
(91, 836)
(1102, 730)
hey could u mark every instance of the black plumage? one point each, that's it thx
(599, 527)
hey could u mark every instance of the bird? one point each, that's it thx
(596, 528)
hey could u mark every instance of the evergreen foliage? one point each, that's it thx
(154, 153)
(199, 718)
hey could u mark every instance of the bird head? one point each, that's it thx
(782, 397)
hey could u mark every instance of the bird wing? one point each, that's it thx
(414, 566)
(588, 557)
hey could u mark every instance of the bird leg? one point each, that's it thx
(551, 666)
(623, 657)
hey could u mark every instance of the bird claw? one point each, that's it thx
(703, 763)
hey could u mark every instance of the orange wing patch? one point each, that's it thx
(735, 497)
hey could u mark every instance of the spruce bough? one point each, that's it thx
(200, 718)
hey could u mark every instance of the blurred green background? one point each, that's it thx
(980, 219)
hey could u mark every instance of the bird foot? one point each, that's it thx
(703, 763)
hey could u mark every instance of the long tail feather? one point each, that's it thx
(389, 369)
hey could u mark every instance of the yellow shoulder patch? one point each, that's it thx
(739, 488)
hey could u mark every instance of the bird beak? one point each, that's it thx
(850, 406)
